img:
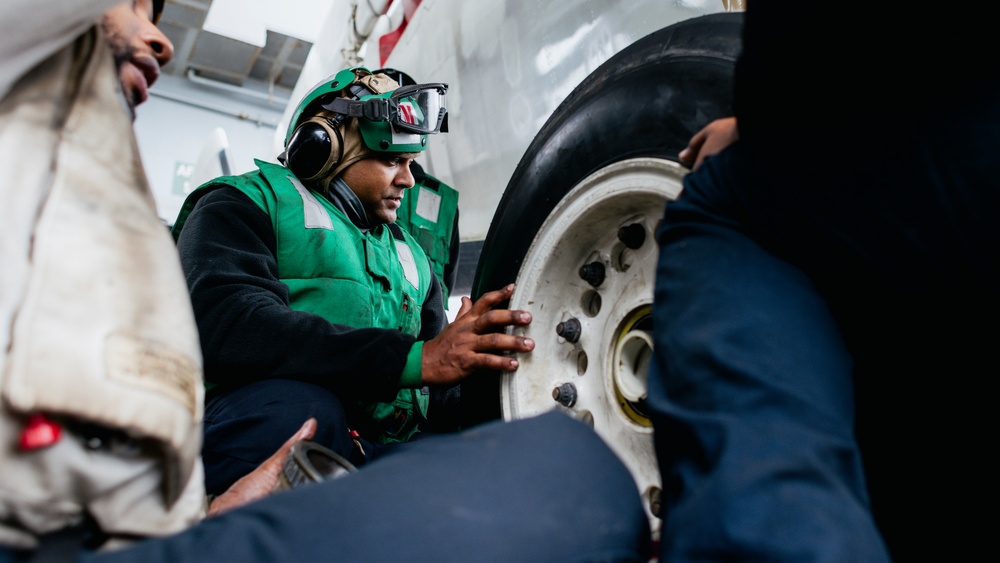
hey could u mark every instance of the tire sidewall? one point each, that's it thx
(646, 101)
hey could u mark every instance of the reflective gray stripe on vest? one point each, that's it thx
(315, 214)
(408, 263)
(428, 205)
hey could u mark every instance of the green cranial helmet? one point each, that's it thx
(390, 118)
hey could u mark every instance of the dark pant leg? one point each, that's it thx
(926, 346)
(542, 489)
(751, 395)
(245, 426)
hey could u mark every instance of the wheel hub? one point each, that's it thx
(587, 280)
(630, 365)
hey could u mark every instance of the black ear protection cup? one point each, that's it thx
(314, 148)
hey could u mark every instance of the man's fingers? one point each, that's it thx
(305, 432)
(492, 298)
(500, 342)
(693, 148)
(500, 318)
(496, 362)
(476, 340)
(466, 306)
(261, 481)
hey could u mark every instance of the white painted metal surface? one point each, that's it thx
(509, 63)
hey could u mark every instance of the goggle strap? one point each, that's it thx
(372, 110)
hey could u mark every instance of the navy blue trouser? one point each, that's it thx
(245, 426)
(541, 489)
(825, 332)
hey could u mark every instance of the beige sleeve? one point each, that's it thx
(33, 30)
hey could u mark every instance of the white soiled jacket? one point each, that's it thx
(96, 327)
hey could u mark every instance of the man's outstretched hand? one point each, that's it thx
(712, 138)
(475, 340)
(261, 481)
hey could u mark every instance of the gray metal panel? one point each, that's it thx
(276, 66)
(222, 58)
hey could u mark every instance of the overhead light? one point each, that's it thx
(249, 20)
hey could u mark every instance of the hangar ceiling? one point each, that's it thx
(211, 59)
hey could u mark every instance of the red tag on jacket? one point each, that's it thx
(39, 432)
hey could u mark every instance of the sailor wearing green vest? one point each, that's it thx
(430, 214)
(311, 302)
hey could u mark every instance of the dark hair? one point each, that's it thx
(157, 10)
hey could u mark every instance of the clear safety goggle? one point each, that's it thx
(419, 108)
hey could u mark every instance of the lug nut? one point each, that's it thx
(565, 395)
(592, 273)
(569, 329)
(656, 507)
(655, 502)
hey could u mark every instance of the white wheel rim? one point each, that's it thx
(607, 365)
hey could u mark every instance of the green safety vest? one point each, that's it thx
(332, 269)
(428, 213)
